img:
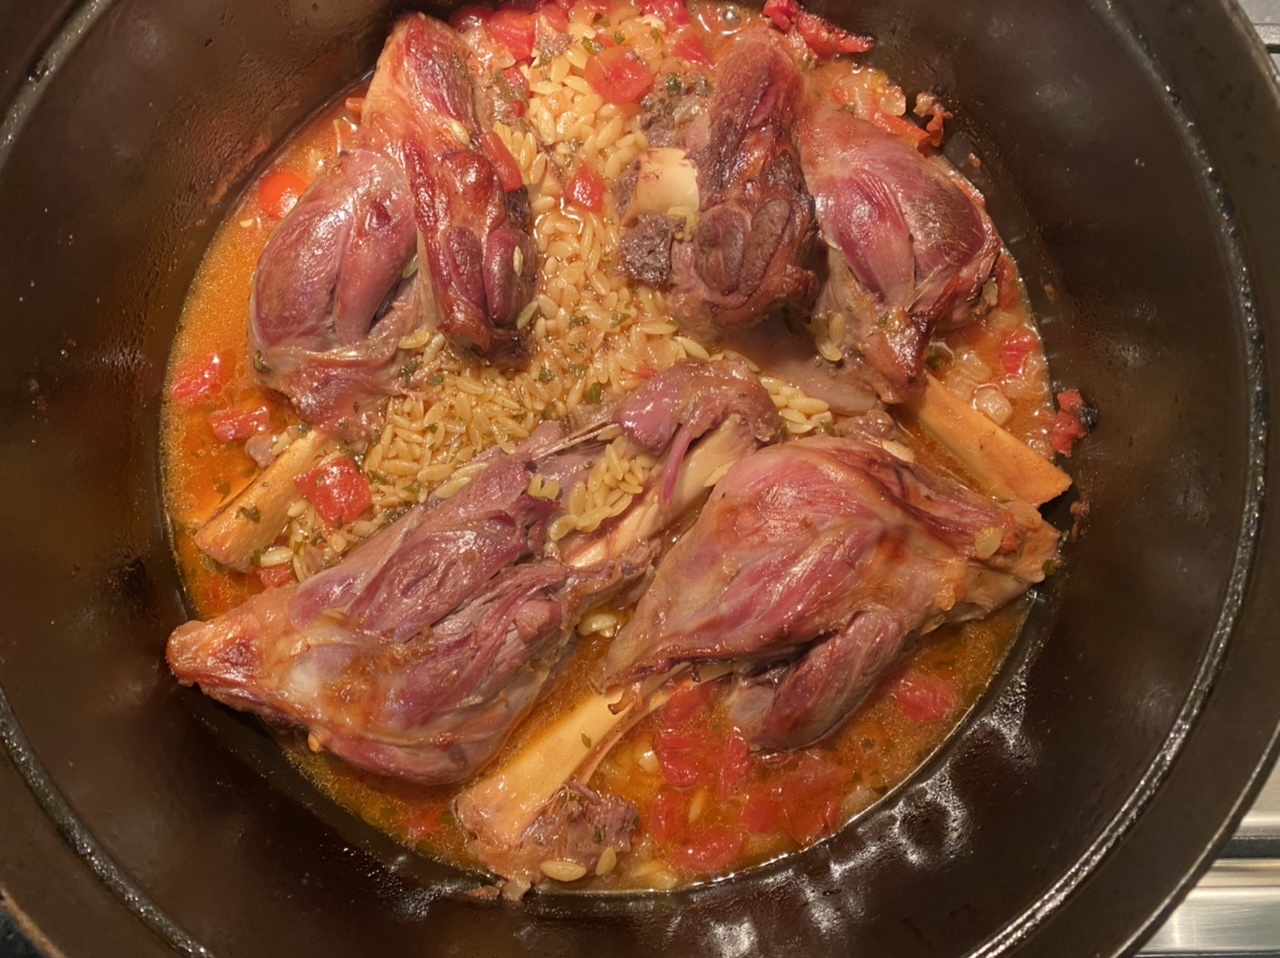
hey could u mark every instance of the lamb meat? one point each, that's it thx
(811, 567)
(753, 250)
(417, 654)
(910, 245)
(337, 287)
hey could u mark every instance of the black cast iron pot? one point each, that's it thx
(1130, 159)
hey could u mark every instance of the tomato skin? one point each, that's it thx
(710, 849)
(923, 696)
(236, 423)
(688, 46)
(586, 189)
(669, 815)
(826, 40)
(197, 381)
(515, 30)
(276, 575)
(688, 756)
(671, 12)
(555, 17)
(504, 164)
(762, 811)
(470, 15)
(338, 490)
(1014, 351)
(279, 191)
(781, 12)
(1068, 426)
(899, 126)
(618, 75)
(735, 761)
(811, 797)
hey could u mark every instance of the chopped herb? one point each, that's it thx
(619, 37)
(935, 357)
(868, 744)
(828, 427)
(378, 479)
(618, 319)
(1050, 566)
(577, 319)
(259, 363)
(433, 427)
(435, 380)
(577, 370)
(656, 34)
(604, 22)
(414, 488)
(597, 835)
(673, 85)
(591, 46)
(594, 394)
(411, 367)
(586, 740)
(544, 59)
(579, 347)
(252, 513)
(304, 428)
(255, 558)
(545, 375)
(446, 818)
(222, 487)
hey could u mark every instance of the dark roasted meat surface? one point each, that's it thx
(911, 245)
(753, 251)
(338, 287)
(811, 566)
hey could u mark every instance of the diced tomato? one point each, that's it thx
(1068, 426)
(899, 126)
(762, 811)
(279, 191)
(734, 763)
(555, 18)
(710, 849)
(685, 703)
(513, 89)
(618, 75)
(688, 756)
(671, 12)
(470, 15)
(515, 30)
(197, 381)
(586, 189)
(827, 40)
(782, 12)
(923, 696)
(338, 490)
(811, 796)
(277, 575)
(669, 815)
(688, 46)
(504, 164)
(1014, 351)
(239, 422)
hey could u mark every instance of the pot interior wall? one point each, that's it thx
(136, 147)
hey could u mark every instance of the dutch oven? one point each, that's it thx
(1129, 153)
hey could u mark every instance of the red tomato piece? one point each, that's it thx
(275, 576)
(711, 849)
(762, 811)
(671, 12)
(1068, 427)
(669, 815)
(782, 12)
(515, 30)
(197, 381)
(504, 164)
(555, 19)
(618, 75)
(279, 191)
(688, 756)
(734, 762)
(923, 696)
(470, 15)
(688, 46)
(827, 40)
(811, 796)
(1014, 351)
(338, 490)
(685, 703)
(239, 422)
(586, 189)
